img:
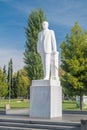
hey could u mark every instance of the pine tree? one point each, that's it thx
(74, 62)
(32, 58)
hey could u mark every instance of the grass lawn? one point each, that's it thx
(15, 103)
(69, 105)
(18, 103)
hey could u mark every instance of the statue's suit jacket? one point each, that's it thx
(46, 42)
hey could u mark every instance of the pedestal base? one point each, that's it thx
(45, 99)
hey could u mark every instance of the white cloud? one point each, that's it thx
(65, 13)
(17, 58)
(3, 0)
(6, 1)
(68, 12)
(23, 7)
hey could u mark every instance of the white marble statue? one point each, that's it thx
(47, 49)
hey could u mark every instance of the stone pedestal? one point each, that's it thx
(45, 99)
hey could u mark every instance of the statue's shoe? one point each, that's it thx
(46, 78)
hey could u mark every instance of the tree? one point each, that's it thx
(4, 69)
(3, 84)
(21, 84)
(15, 85)
(32, 58)
(10, 74)
(74, 62)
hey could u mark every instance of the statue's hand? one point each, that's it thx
(54, 52)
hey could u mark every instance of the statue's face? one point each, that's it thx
(45, 25)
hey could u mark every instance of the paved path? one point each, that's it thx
(74, 117)
(68, 116)
(65, 118)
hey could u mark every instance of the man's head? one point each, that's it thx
(45, 25)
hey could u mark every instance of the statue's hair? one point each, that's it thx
(46, 23)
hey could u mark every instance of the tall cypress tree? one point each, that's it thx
(32, 58)
(4, 69)
(10, 73)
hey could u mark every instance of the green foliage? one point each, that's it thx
(3, 84)
(21, 84)
(74, 61)
(32, 58)
(10, 80)
(4, 69)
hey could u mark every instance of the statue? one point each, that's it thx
(46, 95)
(47, 49)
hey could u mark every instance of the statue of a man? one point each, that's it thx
(47, 49)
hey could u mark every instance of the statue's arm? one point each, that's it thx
(53, 40)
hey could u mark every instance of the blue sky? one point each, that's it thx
(61, 15)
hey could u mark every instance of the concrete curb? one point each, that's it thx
(2, 112)
(74, 112)
(17, 112)
(26, 112)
